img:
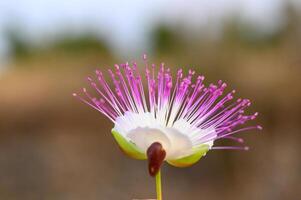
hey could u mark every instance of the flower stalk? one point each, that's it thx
(159, 185)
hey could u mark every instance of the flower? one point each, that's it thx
(175, 119)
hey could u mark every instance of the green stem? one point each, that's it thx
(158, 185)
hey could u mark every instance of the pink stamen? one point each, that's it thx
(210, 115)
(245, 148)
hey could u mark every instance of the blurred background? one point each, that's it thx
(54, 147)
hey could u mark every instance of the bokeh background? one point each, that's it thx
(54, 147)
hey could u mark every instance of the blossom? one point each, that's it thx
(163, 118)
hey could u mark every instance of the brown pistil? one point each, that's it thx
(155, 155)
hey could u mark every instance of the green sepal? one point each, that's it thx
(128, 147)
(187, 161)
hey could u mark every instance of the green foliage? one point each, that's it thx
(78, 44)
(250, 36)
(19, 47)
(68, 43)
(163, 39)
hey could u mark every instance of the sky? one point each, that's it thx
(126, 24)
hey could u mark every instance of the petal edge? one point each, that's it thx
(187, 161)
(127, 147)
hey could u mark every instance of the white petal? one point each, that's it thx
(143, 130)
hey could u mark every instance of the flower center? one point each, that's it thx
(172, 141)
